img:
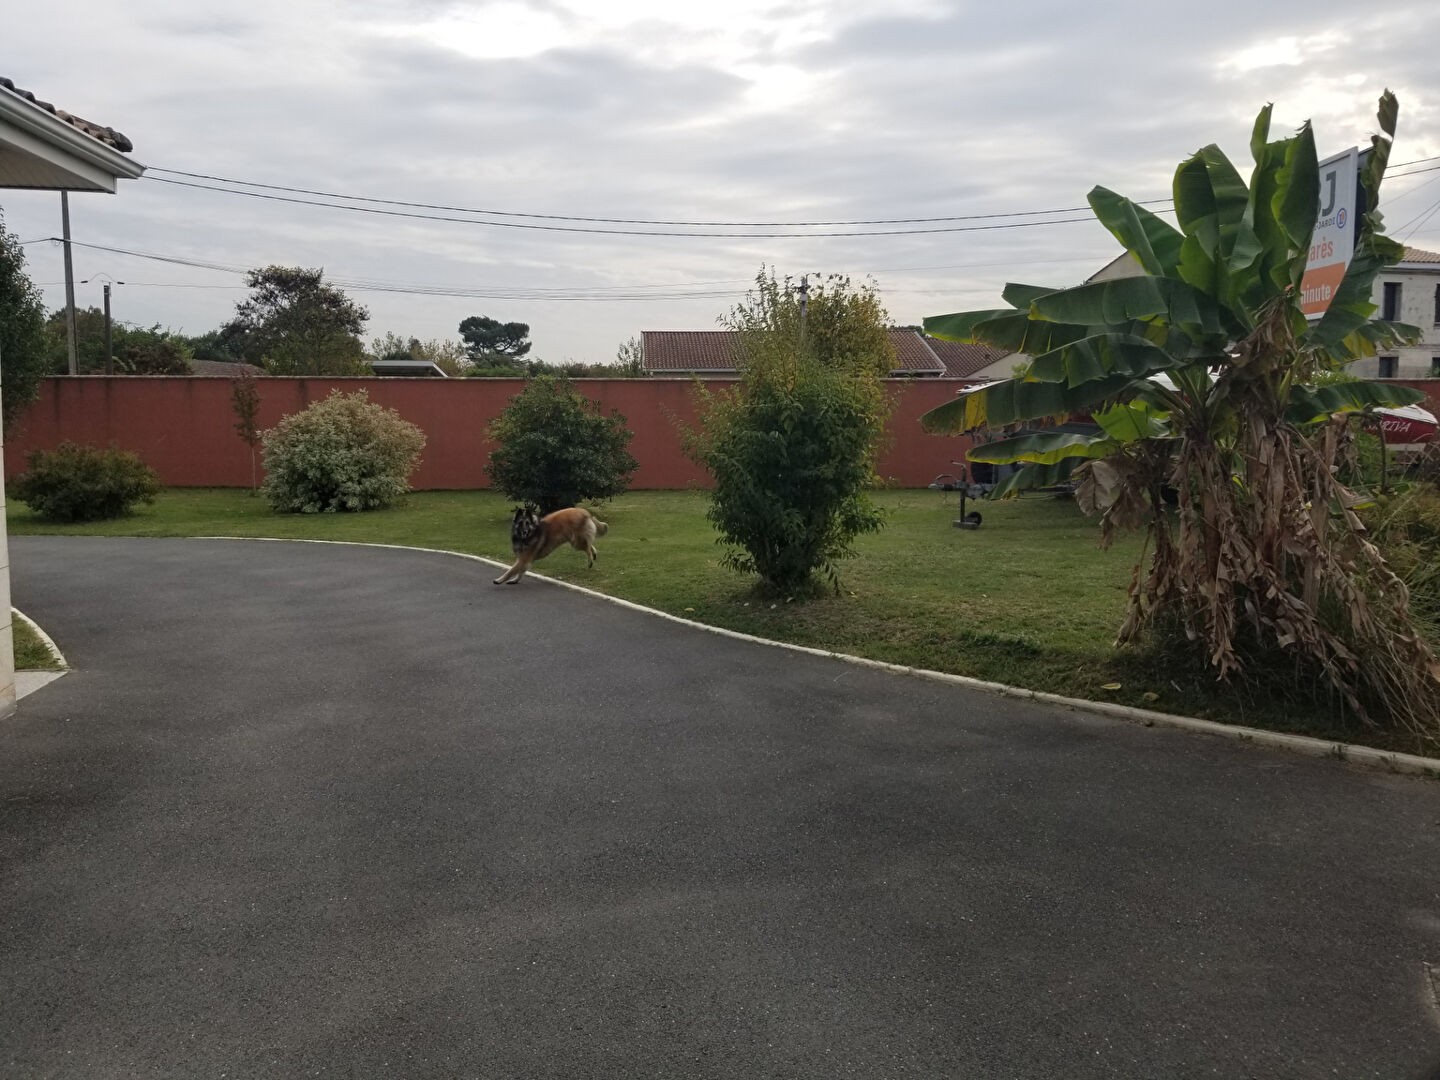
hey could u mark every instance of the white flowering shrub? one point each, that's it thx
(343, 453)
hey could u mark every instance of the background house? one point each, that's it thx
(1410, 292)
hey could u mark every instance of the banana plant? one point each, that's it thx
(1202, 365)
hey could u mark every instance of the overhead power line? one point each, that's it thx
(595, 294)
(414, 214)
(611, 220)
(672, 222)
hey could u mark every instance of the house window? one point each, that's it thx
(1435, 367)
(1389, 366)
(1437, 305)
(1390, 310)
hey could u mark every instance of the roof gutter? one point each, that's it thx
(56, 132)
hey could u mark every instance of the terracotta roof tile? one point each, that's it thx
(913, 355)
(109, 136)
(962, 360)
(714, 352)
(689, 350)
(1418, 255)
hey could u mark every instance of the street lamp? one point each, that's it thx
(109, 355)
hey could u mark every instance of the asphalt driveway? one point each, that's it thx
(311, 810)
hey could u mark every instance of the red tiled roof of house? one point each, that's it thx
(1418, 255)
(714, 352)
(109, 136)
(962, 360)
(913, 355)
(689, 350)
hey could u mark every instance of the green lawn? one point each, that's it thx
(31, 654)
(1028, 599)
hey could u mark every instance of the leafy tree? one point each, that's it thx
(555, 448)
(342, 453)
(165, 357)
(1204, 375)
(630, 359)
(792, 449)
(137, 350)
(23, 361)
(491, 343)
(216, 345)
(449, 356)
(294, 324)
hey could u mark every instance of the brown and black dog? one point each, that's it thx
(533, 537)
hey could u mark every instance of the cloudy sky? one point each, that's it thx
(579, 123)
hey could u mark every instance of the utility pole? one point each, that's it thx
(109, 355)
(69, 284)
(804, 291)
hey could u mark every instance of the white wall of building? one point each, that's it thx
(1419, 306)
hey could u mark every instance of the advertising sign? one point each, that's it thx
(1333, 242)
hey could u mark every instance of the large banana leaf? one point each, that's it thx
(1131, 421)
(960, 326)
(1037, 478)
(1045, 448)
(1221, 247)
(1022, 296)
(1135, 299)
(1284, 202)
(1210, 197)
(1309, 405)
(1101, 355)
(1016, 331)
(1152, 240)
(1013, 400)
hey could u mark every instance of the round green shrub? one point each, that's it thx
(84, 483)
(556, 448)
(342, 453)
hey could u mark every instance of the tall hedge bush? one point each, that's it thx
(344, 453)
(555, 448)
(84, 483)
(792, 449)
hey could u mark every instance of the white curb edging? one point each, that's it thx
(1369, 756)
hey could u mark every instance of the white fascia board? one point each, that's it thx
(51, 139)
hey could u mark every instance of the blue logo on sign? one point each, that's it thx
(1340, 219)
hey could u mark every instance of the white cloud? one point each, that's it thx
(757, 110)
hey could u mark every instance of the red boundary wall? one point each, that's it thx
(184, 427)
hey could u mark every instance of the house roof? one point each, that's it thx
(43, 148)
(715, 352)
(962, 360)
(412, 368)
(688, 350)
(913, 355)
(109, 136)
(1418, 255)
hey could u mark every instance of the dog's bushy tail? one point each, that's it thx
(600, 527)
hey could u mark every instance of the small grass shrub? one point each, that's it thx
(84, 483)
(556, 448)
(342, 453)
(1406, 528)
